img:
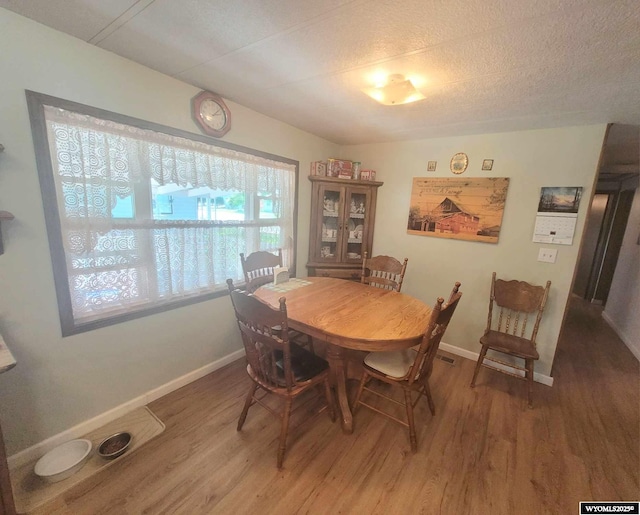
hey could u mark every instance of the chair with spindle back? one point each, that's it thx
(383, 272)
(258, 268)
(274, 364)
(516, 303)
(258, 271)
(409, 369)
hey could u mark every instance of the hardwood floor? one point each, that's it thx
(483, 452)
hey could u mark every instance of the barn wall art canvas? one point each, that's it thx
(459, 208)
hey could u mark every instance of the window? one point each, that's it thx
(143, 217)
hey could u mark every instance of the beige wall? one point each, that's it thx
(531, 159)
(60, 382)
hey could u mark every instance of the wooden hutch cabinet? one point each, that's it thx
(342, 220)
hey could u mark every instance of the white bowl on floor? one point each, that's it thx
(63, 461)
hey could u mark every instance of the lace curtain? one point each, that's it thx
(116, 264)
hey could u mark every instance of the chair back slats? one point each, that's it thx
(268, 356)
(438, 323)
(516, 317)
(267, 349)
(507, 315)
(518, 303)
(384, 280)
(258, 268)
(384, 272)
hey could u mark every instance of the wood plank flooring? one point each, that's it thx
(484, 452)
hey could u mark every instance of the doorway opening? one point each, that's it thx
(605, 274)
(602, 242)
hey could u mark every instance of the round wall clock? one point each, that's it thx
(459, 162)
(211, 113)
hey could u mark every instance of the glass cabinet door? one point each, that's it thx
(342, 226)
(330, 232)
(357, 205)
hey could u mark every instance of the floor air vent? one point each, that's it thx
(446, 359)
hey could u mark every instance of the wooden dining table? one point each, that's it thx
(349, 315)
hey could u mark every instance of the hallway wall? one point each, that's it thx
(623, 303)
(590, 243)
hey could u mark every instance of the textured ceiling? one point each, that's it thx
(483, 65)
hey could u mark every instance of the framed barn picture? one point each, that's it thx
(458, 208)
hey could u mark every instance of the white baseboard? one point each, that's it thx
(634, 347)
(473, 356)
(87, 426)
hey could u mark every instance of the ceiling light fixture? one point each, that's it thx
(396, 91)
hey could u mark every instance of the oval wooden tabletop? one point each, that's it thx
(353, 315)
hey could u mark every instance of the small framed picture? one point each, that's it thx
(487, 164)
(431, 166)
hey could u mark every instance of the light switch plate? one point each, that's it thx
(547, 255)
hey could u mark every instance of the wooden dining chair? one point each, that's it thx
(516, 304)
(383, 272)
(258, 268)
(409, 369)
(258, 271)
(274, 364)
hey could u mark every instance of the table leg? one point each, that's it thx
(336, 359)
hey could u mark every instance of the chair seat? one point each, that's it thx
(510, 344)
(304, 364)
(394, 364)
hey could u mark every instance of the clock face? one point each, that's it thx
(213, 114)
